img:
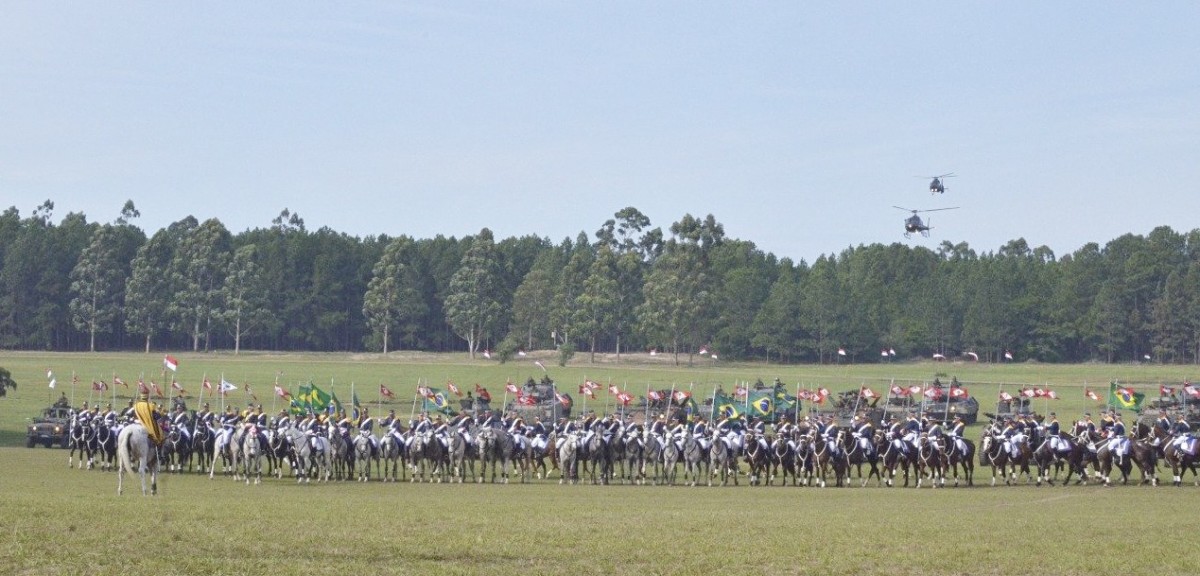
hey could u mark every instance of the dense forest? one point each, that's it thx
(80, 285)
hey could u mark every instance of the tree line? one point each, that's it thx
(80, 285)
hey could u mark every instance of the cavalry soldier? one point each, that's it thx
(1118, 442)
(677, 434)
(463, 426)
(538, 432)
(700, 432)
(1087, 424)
(828, 430)
(1012, 437)
(109, 417)
(366, 427)
(283, 420)
(863, 434)
(394, 426)
(658, 430)
(149, 418)
(206, 416)
(1183, 440)
(127, 413)
(957, 432)
(934, 432)
(441, 430)
(489, 420)
(230, 419)
(611, 430)
(912, 429)
(260, 417)
(386, 422)
(84, 415)
(1163, 423)
(516, 429)
(1106, 422)
(1054, 435)
(180, 422)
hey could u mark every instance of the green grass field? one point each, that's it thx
(60, 521)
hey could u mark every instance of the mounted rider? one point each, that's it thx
(366, 427)
(730, 431)
(149, 418)
(958, 430)
(1118, 442)
(677, 433)
(911, 431)
(1183, 440)
(1012, 436)
(935, 434)
(394, 427)
(700, 432)
(828, 430)
(127, 413)
(539, 434)
(863, 433)
(206, 416)
(1054, 435)
(441, 430)
(181, 422)
(516, 429)
(658, 430)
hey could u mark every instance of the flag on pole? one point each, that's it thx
(1008, 355)
(625, 398)
(510, 388)
(957, 391)
(1051, 394)
(867, 393)
(251, 394)
(587, 390)
(682, 395)
(1191, 390)
(1124, 397)
(120, 381)
(453, 388)
(841, 351)
(1165, 390)
(539, 364)
(914, 390)
(1006, 396)
(933, 393)
(175, 385)
(53, 382)
(227, 386)
(207, 385)
(1090, 394)
(385, 391)
(1028, 392)
(898, 390)
(654, 395)
(487, 354)
(891, 351)
(883, 353)
(483, 393)
(49, 374)
(424, 391)
(614, 389)
(99, 385)
(280, 392)
(171, 363)
(973, 356)
(563, 399)
(158, 391)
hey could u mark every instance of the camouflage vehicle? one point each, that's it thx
(537, 399)
(51, 429)
(845, 404)
(1174, 405)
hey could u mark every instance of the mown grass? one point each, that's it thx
(60, 521)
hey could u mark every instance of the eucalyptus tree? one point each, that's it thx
(565, 311)
(598, 301)
(197, 273)
(677, 302)
(532, 302)
(393, 298)
(244, 307)
(148, 292)
(473, 305)
(775, 330)
(96, 285)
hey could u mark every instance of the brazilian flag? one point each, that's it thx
(1124, 397)
(438, 401)
(336, 406)
(724, 407)
(783, 400)
(296, 407)
(357, 405)
(761, 403)
(313, 398)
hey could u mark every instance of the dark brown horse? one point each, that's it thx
(894, 455)
(830, 458)
(993, 453)
(1046, 457)
(961, 452)
(930, 462)
(758, 459)
(861, 451)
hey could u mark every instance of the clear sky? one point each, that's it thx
(797, 124)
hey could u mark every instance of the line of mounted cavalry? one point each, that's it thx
(656, 440)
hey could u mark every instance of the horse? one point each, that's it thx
(961, 452)
(615, 448)
(225, 447)
(461, 455)
(428, 457)
(721, 462)
(521, 456)
(495, 446)
(670, 460)
(202, 446)
(301, 452)
(252, 454)
(632, 453)
(78, 442)
(276, 452)
(758, 459)
(652, 458)
(597, 464)
(105, 445)
(176, 450)
(134, 445)
(87, 443)
(894, 455)
(540, 448)
(391, 453)
(340, 455)
(362, 456)
(695, 460)
(993, 453)
(861, 451)
(827, 458)
(1180, 461)
(568, 453)
(930, 460)
(804, 459)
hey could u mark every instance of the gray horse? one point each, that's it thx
(462, 455)
(695, 460)
(134, 445)
(495, 446)
(252, 455)
(362, 457)
(391, 452)
(568, 459)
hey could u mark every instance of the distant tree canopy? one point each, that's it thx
(80, 285)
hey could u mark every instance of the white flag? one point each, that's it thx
(53, 382)
(227, 386)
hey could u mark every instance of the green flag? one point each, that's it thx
(337, 404)
(313, 398)
(296, 407)
(1124, 397)
(783, 400)
(725, 406)
(357, 405)
(761, 404)
(438, 401)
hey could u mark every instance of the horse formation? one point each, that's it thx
(796, 454)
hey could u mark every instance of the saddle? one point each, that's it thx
(1187, 445)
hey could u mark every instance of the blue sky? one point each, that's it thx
(798, 125)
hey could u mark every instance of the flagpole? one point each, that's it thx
(200, 402)
(72, 388)
(670, 400)
(886, 398)
(221, 391)
(646, 416)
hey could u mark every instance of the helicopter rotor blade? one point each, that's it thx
(939, 209)
(904, 209)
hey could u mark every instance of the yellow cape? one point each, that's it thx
(145, 413)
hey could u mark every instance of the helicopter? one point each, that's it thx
(914, 224)
(936, 187)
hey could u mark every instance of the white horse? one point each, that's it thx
(252, 455)
(133, 444)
